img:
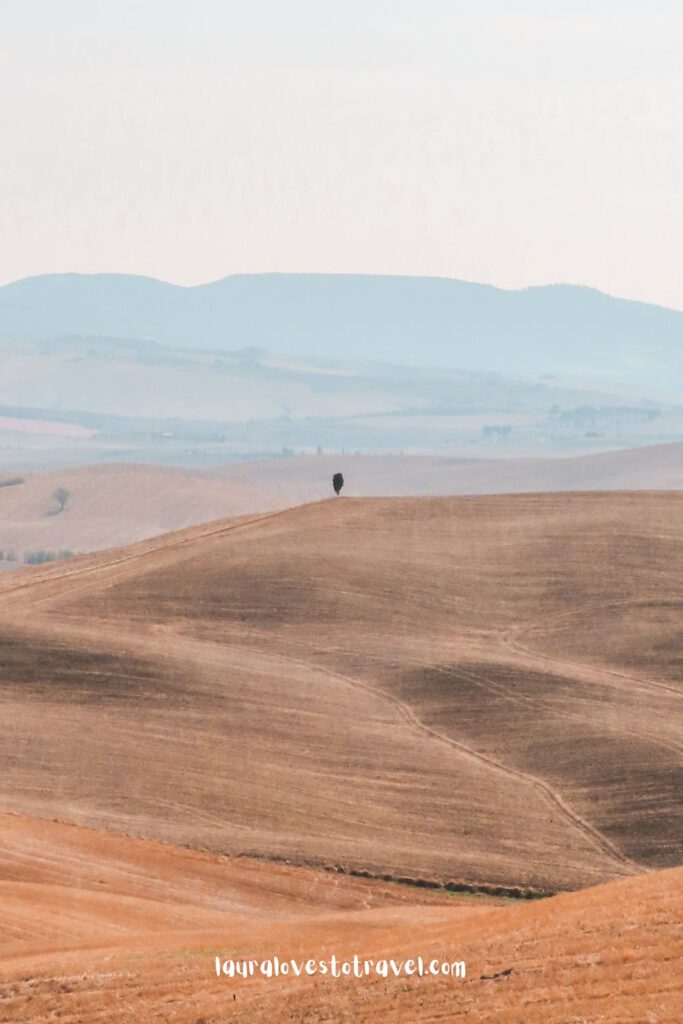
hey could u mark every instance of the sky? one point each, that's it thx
(511, 143)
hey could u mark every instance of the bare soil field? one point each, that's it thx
(384, 684)
(110, 505)
(102, 928)
(116, 504)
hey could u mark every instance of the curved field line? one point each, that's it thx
(509, 638)
(594, 836)
(165, 543)
(528, 702)
(481, 680)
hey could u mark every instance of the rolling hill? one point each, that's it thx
(431, 687)
(110, 505)
(559, 329)
(98, 927)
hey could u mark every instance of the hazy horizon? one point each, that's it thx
(515, 147)
(320, 273)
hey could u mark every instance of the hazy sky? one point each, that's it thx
(513, 143)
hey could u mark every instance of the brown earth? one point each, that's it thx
(422, 687)
(118, 504)
(101, 928)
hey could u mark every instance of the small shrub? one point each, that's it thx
(38, 557)
(61, 496)
(41, 555)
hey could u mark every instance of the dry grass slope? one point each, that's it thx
(100, 929)
(112, 505)
(415, 686)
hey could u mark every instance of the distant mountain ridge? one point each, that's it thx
(554, 329)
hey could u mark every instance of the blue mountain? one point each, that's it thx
(556, 329)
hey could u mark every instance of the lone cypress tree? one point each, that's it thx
(337, 482)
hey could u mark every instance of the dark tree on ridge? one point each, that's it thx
(337, 482)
